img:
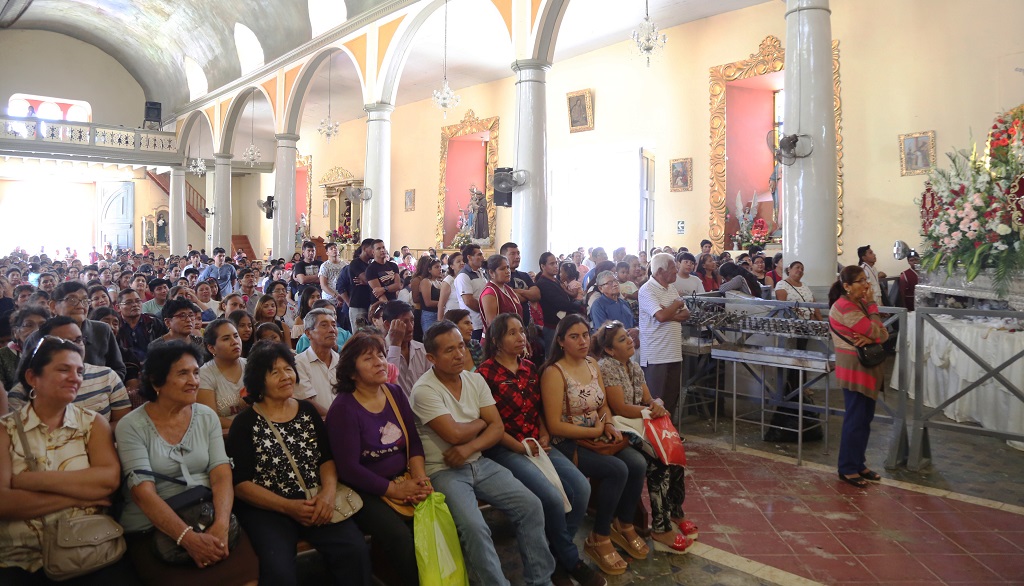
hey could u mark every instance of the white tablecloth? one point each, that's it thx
(947, 370)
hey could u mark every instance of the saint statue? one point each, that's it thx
(481, 230)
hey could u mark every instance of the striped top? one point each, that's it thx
(660, 342)
(849, 318)
(102, 391)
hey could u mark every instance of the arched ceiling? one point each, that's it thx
(151, 38)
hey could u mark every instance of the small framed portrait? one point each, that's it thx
(410, 200)
(581, 110)
(681, 174)
(917, 153)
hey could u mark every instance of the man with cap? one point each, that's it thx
(158, 288)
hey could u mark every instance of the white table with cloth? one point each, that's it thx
(948, 370)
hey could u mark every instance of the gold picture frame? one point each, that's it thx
(680, 174)
(580, 107)
(470, 125)
(917, 153)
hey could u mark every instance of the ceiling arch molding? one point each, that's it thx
(547, 30)
(300, 89)
(234, 114)
(194, 119)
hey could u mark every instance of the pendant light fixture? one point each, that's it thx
(329, 129)
(252, 152)
(445, 98)
(646, 37)
(197, 166)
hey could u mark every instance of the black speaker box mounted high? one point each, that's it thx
(503, 198)
(153, 110)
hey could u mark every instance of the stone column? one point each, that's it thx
(376, 216)
(177, 221)
(221, 204)
(530, 202)
(809, 185)
(284, 196)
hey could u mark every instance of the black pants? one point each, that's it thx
(274, 537)
(664, 382)
(120, 573)
(392, 534)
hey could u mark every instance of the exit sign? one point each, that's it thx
(681, 227)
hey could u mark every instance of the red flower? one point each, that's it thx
(992, 237)
(977, 244)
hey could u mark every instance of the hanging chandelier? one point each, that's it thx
(445, 98)
(252, 153)
(197, 166)
(328, 129)
(646, 37)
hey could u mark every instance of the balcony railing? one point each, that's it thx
(87, 134)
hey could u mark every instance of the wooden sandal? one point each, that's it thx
(609, 563)
(636, 547)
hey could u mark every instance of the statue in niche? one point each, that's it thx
(478, 203)
(161, 227)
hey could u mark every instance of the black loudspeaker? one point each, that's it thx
(503, 198)
(153, 112)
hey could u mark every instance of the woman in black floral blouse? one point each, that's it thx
(271, 503)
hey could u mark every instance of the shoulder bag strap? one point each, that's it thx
(401, 422)
(287, 452)
(30, 459)
(162, 477)
(841, 337)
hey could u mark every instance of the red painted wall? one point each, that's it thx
(466, 166)
(750, 115)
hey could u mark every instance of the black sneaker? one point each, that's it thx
(583, 574)
(561, 577)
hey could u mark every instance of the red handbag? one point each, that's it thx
(666, 441)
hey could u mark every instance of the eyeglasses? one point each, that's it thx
(56, 340)
(613, 324)
(132, 302)
(75, 301)
(185, 316)
(861, 280)
(611, 282)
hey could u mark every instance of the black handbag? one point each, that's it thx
(195, 507)
(869, 355)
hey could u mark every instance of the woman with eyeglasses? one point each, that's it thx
(628, 396)
(79, 465)
(515, 385)
(855, 322)
(220, 379)
(497, 297)
(610, 305)
(24, 323)
(179, 317)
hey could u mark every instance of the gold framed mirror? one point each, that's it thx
(770, 58)
(487, 131)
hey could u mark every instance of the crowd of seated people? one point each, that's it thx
(164, 372)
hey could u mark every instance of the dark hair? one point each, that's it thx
(55, 322)
(621, 265)
(570, 269)
(423, 266)
(101, 312)
(36, 358)
(18, 317)
(210, 335)
(360, 343)
(861, 251)
(686, 256)
(544, 256)
(395, 309)
(706, 241)
(175, 305)
(260, 362)
(700, 263)
(494, 261)
(847, 276)
(456, 315)
(23, 287)
(557, 352)
(269, 289)
(243, 273)
(330, 245)
(159, 360)
(451, 262)
(304, 301)
(603, 337)
(468, 250)
(62, 290)
(504, 247)
(236, 317)
(439, 328)
(264, 327)
(258, 311)
(496, 331)
(307, 244)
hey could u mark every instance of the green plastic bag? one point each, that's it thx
(438, 552)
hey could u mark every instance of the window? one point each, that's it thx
(325, 15)
(250, 51)
(49, 108)
(198, 86)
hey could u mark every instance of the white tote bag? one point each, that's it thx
(543, 462)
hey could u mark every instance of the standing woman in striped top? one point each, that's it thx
(854, 316)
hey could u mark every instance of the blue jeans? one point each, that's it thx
(621, 478)
(493, 484)
(559, 526)
(853, 442)
(428, 318)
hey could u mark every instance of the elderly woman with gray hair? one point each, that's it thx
(609, 306)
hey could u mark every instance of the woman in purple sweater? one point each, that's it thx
(372, 447)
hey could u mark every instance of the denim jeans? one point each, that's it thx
(622, 479)
(493, 484)
(559, 526)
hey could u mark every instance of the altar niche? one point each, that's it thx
(469, 154)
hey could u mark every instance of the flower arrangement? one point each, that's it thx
(461, 239)
(971, 214)
(759, 233)
(745, 216)
(341, 234)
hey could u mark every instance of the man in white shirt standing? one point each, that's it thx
(329, 271)
(687, 283)
(469, 283)
(867, 262)
(661, 335)
(317, 365)
(408, 355)
(457, 419)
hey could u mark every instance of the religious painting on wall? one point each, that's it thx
(681, 178)
(917, 153)
(410, 200)
(581, 110)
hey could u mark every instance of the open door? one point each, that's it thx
(117, 211)
(646, 200)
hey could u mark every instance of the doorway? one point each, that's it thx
(117, 210)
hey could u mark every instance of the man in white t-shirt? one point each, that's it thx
(469, 283)
(661, 335)
(329, 271)
(867, 262)
(457, 419)
(686, 283)
(317, 365)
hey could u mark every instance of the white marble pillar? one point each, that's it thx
(809, 185)
(221, 204)
(284, 195)
(530, 202)
(376, 217)
(177, 220)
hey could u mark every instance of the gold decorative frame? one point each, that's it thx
(470, 124)
(588, 105)
(770, 58)
(307, 162)
(687, 164)
(906, 171)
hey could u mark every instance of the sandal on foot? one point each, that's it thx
(636, 547)
(855, 481)
(610, 563)
(689, 529)
(678, 547)
(870, 475)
